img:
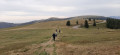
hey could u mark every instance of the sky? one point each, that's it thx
(20, 11)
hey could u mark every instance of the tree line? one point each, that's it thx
(113, 23)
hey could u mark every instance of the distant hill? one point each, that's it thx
(116, 17)
(51, 19)
(7, 25)
(90, 16)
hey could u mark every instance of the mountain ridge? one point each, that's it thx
(7, 25)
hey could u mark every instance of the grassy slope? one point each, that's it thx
(16, 39)
(90, 41)
(91, 35)
(19, 37)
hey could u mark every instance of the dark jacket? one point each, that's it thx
(54, 35)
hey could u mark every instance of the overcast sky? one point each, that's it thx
(19, 11)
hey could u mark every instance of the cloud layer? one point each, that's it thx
(18, 11)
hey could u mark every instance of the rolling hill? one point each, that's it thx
(90, 16)
(7, 25)
(36, 39)
(116, 17)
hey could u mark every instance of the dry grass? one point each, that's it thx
(70, 42)
(93, 49)
(89, 41)
(17, 39)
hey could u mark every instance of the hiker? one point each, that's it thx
(54, 35)
(59, 30)
(56, 30)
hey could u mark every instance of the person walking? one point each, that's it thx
(54, 35)
(56, 30)
(59, 30)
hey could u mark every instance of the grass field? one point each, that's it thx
(16, 39)
(34, 39)
(92, 41)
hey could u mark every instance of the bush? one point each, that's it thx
(77, 22)
(94, 23)
(86, 24)
(68, 23)
(113, 23)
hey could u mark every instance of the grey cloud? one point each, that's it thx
(59, 7)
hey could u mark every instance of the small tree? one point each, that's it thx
(86, 24)
(68, 23)
(94, 24)
(77, 22)
(89, 19)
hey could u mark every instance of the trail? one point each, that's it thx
(48, 47)
(77, 26)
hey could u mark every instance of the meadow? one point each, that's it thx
(35, 39)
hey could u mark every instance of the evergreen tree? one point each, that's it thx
(86, 24)
(113, 23)
(94, 24)
(89, 19)
(68, 23)
(77, 22)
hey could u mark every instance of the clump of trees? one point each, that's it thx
(77, 22)
(113, 23)
(86, 25)
(68, 23)
(94, 23)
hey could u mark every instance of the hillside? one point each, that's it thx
(90, 16)
(116, 17)
(36, 39)
(7, 25)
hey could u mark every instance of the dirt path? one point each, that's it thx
(76, 27)
(48, 47)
